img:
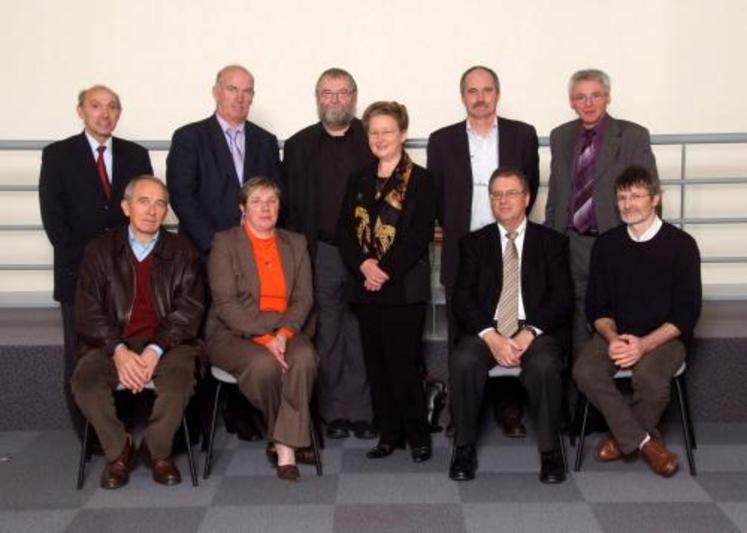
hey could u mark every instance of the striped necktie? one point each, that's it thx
(508, 303)
(583, 186)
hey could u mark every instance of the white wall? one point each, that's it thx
(677, 66)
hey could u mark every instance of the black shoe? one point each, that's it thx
(338, 429)
(421, 454)
(553, 467)
(463, 463)
(363, 429)
(382, 449)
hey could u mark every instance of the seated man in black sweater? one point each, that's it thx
(643, 300)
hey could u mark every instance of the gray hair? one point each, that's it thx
(98, 87)
(232, 67)
(590, 74)
(336, 73)
(130, 189)
(463, 79)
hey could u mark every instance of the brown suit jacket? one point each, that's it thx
(234, 285)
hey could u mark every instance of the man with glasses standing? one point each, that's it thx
(317, 163)
(587, 156)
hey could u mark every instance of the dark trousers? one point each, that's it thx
(70, 360)
(392, 347)
(342, 386)
(95, 378)
(541, 376)
(651, 381)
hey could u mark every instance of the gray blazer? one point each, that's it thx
(234, 286)
(624, 144)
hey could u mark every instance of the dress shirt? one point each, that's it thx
(519, 242)
(107, 153)
(649, 234)
(483, 154)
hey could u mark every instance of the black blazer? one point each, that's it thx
(73, 207)
(545, 279)
(202, 179)
(406, 262)
(449, 162)
(301, 170)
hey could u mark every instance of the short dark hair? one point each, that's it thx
(507, 172)
(258, 182)
(463, 79)
(391, 109)
(635, 175)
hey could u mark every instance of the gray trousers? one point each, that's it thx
(652, 379)
(95, 378)
(580, 253)
(343, 386)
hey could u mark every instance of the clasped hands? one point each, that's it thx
(134, 369)
(277, 349)
(626, 350)
(507, 351)
(375, 277)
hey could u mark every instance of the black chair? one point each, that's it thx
(224, 378)
(688, 431)
(85, 452)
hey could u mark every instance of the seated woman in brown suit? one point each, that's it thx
(260, 279)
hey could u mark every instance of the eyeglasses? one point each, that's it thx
(593, 98)
(270, 202)
(382, 133)
(632, 197)
(341, 94)
(508, 195)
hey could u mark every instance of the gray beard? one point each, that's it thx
(336, 118)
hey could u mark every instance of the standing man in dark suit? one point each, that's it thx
(317, 163)
(512, 300)
(462, 158)
(588, 154)
(209, 160)
(207, 164)
(81, 185)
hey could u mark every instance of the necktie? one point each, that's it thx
(101, 166)
(508, 302)
(583, 186)
(236, 144)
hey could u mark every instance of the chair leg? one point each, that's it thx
(562, 451)
(581, 435)
(83, 456)
(190, 456)
(686, 425)
(211, 434)
(315, 447)
(685, 396)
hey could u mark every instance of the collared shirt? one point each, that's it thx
(483, 153)
(240, 141)
(107, 153)
(649, 234)
(519, 242)
(141, 251)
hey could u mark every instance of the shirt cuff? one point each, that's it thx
(263, 340)
(156, 348)
(289, 333)
(484, 332)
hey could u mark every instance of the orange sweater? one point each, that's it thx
(272, 286)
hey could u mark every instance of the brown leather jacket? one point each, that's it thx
(105, 291)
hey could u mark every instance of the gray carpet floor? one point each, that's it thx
(38, 470)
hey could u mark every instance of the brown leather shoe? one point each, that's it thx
(661, 460)
(116, 473)
(288, 472)
(165, 471)
(512, 426)
(608, 450)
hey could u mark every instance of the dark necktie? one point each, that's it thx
(508, 302)
(583, 186)
(102, 173)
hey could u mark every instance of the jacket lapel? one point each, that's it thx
(610, 147)
(286, 257)
(494, 258)
(247, 260)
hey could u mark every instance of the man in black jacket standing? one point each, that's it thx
(317, 162)
(80, 188)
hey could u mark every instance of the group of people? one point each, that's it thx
(318, 272)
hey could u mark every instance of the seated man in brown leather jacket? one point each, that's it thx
(140, 301)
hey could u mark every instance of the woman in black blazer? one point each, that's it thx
(384, 231)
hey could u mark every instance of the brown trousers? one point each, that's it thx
(283, 398)
(652, 380)
(95, 378)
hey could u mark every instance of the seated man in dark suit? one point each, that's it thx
(512, 301)
(139, 306)
(644, 299)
